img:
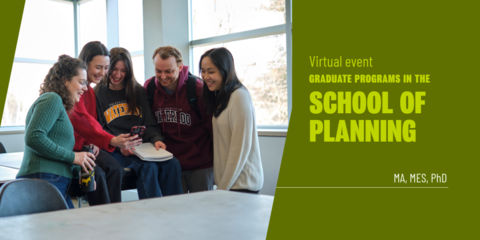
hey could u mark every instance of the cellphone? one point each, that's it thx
(137, 130)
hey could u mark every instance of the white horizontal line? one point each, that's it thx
(362, 187)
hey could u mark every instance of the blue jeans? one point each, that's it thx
(60, 182)
(154, 179)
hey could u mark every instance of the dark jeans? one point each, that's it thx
(108, 175)
(197, 180)
(60, 182)
(154, 179)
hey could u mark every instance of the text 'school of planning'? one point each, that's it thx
(364, 130)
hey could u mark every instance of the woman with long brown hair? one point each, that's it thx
(89, 133)
(122, 104)
(236, 154)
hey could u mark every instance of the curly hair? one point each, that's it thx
(64, 70)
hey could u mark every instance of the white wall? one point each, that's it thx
(271, 150)
(165, 22)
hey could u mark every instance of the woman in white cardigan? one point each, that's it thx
(236, 154)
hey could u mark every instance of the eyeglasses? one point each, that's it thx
(84, 83)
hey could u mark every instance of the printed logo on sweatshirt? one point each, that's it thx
(171, 115)
(118, 110)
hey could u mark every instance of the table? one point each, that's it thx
(7, 174)
(9, 165)
(11, 160)
(207, 215)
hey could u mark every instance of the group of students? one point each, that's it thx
(208, 124)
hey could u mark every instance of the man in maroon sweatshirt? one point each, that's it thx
(188, 135)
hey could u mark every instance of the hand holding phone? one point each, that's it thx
(138, 130)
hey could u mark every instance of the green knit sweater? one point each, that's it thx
(49, 138)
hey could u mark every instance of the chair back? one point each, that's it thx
(2, 148)
(26, 196)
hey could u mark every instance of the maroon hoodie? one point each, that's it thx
(187, 136)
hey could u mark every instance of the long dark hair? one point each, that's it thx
(91, 50)
(64, 70)
(216, 102)
(129, 82)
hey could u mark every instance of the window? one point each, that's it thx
(255, 32)
(64, 27)
(92, 22)
(38, 47)
(212, 18)
(130, 24)
(264, 75)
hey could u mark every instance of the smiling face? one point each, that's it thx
(117, 76)
(211, 75)
(167, 71)
(78, 85)
(97, 68)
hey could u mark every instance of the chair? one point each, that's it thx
(26, 196)
(2, 148)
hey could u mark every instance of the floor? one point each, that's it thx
(127, 196)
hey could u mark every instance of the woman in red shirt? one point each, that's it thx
(88, 132)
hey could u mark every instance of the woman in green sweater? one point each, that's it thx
(49, 137)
